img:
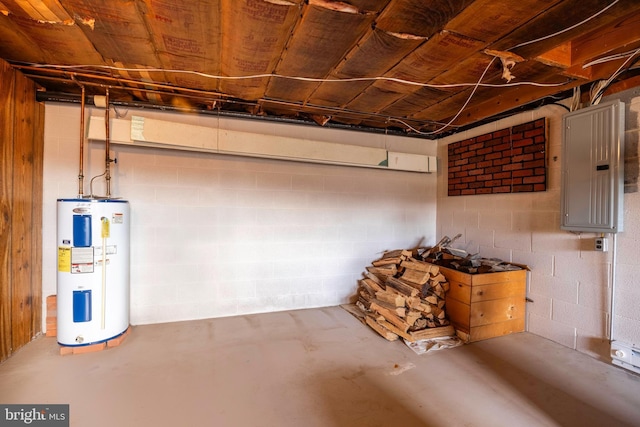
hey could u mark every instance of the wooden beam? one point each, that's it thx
(7, 83)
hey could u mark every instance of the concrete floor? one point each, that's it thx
(318, 367)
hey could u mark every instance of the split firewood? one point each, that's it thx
(384, 270)
(384, 332)
(421, 323)
(374, 286)
(414, 264)
(396, 330)
(390, 316)
(398, 311)
(431, 299)
(363, 286)
(363, 304)
(391, 298)
(402, 287)
(386, 261)
(415, 276)
(412, 316)
(424, 334)
(373, 277)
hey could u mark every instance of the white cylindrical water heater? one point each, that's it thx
(93, 270)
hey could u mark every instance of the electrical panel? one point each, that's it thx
(593, 168)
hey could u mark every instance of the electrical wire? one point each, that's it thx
(602, 85)
(459, 111)
(297, 78)
(566, 29)
(609, 58)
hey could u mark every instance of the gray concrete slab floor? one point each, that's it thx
(318, 367)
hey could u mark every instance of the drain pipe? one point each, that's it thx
(107, 160)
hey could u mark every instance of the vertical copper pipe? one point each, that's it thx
(81, 169)
(107, 159)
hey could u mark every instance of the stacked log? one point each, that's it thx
(404, 297)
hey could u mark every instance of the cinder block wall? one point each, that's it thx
(570, 284)
(216, 235)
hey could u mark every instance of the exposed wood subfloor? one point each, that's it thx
(318, 367)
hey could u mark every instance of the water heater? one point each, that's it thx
(93, 270)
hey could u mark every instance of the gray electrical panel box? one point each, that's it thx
(593, 168)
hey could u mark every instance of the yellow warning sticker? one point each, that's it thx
(64, 260)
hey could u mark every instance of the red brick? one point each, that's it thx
(453, 193)
(468, 167)
(454, 169)
(535, 148)
(534, 132)
(461, 162)
(535, 164)
(538, 139)
(485, 137)
(502, 161)
(540, 187)
(476, 146)
(114, 342)
(485, 177)
(493, 156)
(493, 183)
(64, 350)
(476, 185)
(460, 150)
(502, 175)
(523, 127)
(485, 190)
(467, 154)
(534, 180)
(522, 142)
(516, 151)
(468, 192)
(469, 179)
(493, 169)
(512, 167)
(476, 172)
(503, 189)
(462, 174)
(522, 158)
(502, 132)
(484, 164)
(485, 150)
(476, 159)
(522, 188)
(522, 173)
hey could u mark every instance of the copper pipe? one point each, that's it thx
(107, 158)
(81, 170)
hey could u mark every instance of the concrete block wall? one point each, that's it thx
(218, 235)
(570, 284)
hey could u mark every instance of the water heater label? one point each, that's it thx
(64, 260)
(118, 218)
(82, 260)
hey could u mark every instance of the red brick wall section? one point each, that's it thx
(505, 161)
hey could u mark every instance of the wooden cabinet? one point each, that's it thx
(483, 306)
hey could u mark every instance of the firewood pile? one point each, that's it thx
(443, 254)
(402, 296)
